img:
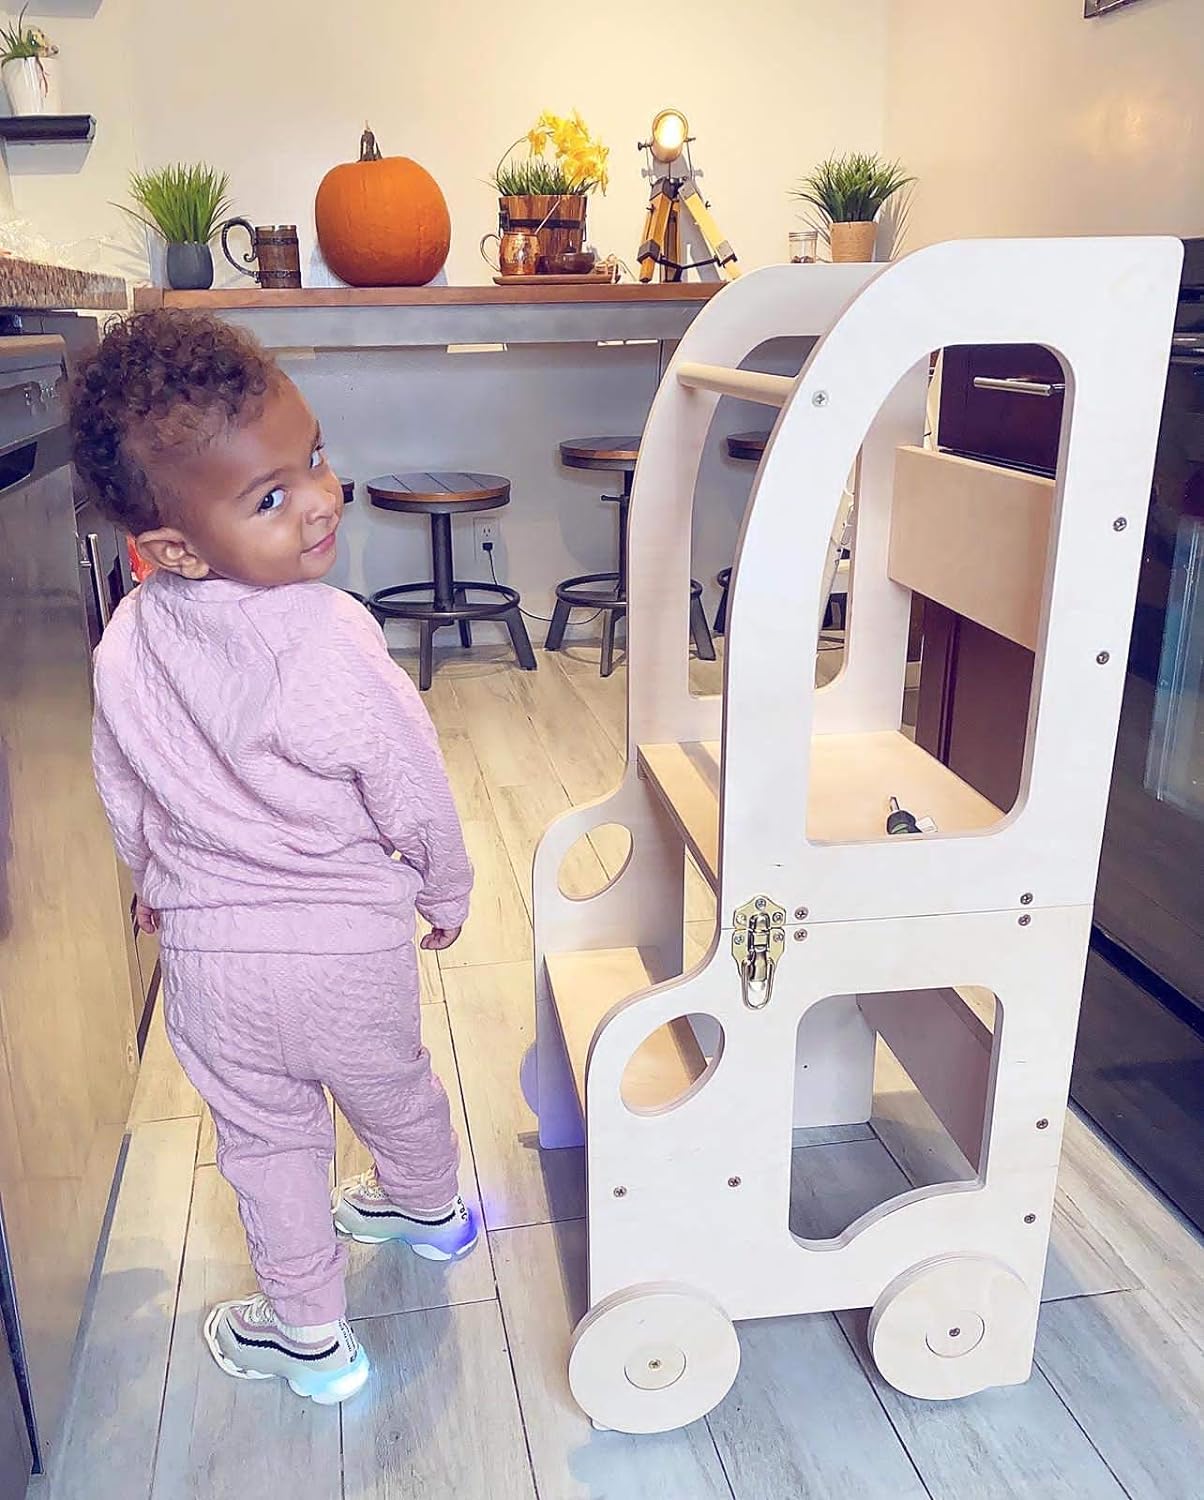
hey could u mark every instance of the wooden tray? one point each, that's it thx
(565, 278)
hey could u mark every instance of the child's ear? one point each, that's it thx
(171, 549)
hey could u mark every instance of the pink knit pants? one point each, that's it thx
(259, 1034)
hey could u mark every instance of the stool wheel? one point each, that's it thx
(954, 1326)
(653, 1358)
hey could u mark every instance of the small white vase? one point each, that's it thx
(32, 85)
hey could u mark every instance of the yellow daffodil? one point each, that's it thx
(578, 161)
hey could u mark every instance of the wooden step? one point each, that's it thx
(587, 985)
(853, 776)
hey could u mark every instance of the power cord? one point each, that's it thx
(487, 549)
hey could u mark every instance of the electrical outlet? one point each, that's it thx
(486, 535)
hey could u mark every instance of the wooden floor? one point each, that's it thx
(469, 1399)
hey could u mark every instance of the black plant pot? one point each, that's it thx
(189, 267)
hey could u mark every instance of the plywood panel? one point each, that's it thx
(974, 537)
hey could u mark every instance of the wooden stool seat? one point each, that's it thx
(440, 495)
(606, 593)
(615, 453)
(747, 445)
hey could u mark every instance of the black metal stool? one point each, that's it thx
(440, 496)
(607, 592)
(749, 446)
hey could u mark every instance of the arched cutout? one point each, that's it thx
(932, 1088)
(671, 1064)
(594, 862)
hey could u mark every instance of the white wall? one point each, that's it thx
(1020, 117)
(277, 91)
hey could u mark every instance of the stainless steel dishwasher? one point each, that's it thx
(67, 1055)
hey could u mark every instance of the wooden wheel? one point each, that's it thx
(653, 1358)
(953, 1326)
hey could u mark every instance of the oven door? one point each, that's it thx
(1150, 898)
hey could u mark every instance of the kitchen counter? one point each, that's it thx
(414, 317)
(31, 284)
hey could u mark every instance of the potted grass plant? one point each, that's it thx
(184, 203)
(547, 189)
(29, 68)
(847, 193)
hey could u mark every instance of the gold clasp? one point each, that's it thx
(758, 943)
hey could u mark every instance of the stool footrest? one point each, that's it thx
(390, 602)
(581, 592)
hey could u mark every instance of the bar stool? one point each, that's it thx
(749, 446)
(606, 593)
(440, 496)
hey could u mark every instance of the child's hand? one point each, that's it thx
(439, 938)
(148, 919)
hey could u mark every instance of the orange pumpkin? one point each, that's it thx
(382, 221)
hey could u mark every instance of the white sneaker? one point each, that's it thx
(362, 1210)
(324, 1362)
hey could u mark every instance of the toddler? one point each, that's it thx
(276, 787)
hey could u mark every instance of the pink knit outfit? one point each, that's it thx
(262, 762)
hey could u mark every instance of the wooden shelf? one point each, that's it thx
(29, 129)
(225, 299)
(852, 778)
(587, 985)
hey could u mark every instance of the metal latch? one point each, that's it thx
(758, 943)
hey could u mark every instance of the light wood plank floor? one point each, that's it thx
(470, 1400)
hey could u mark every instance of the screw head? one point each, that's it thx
(800, 934)
(620, 1192)
(1030, 1218)
(1119, 524)
(760, 903)
(1042, 1124)
(1026, 899)
(800, 914)
(955, 1333)
(820, 398)
(733, 1182)
(1024, 920)
(1103, 658)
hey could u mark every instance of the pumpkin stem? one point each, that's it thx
(369, 150)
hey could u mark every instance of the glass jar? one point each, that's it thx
(804, 247)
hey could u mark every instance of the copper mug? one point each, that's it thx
(517, 252)
(274, 246)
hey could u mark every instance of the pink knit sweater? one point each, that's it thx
(261, 758)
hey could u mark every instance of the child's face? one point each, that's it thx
(257, 503)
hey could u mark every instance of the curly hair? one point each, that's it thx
(159, 380)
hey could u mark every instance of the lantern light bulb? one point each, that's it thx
(669, 133)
